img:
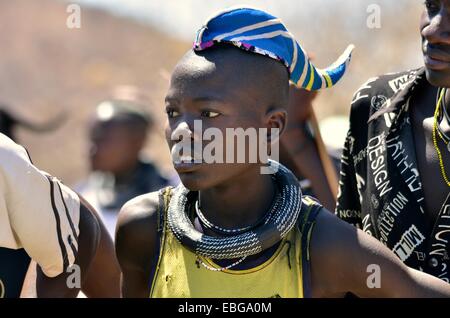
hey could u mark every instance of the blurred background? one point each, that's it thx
(46, 67)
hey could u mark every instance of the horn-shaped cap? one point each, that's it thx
(259, 32)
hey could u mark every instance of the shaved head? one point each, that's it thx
(258, 81)
(225, 88)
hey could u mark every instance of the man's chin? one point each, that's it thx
(438, 78)
(191, 181)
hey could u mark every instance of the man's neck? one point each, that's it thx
(239, 203)
(445, 124)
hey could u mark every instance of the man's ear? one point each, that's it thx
(275, 118)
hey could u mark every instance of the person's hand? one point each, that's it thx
(300, 104)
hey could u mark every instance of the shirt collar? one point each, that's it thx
(397, 102)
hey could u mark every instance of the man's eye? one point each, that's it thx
(431, 6)
(172, 113)
(209, 114)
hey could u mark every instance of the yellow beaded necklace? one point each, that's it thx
(436, 131)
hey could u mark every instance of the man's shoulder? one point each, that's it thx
(137, 231)
(377, 91)
(11, 152)
(389, 83)
(309, 203)
(141, 209)
(311, 208)
(331, 237)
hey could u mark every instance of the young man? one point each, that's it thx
(42, 221)
(396, 162)
(228, 230)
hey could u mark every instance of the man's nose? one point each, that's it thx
(183, 129)
(438, 30)
(186, 131)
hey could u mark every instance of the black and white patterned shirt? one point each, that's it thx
(380, 189)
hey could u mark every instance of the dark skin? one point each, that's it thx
(225, 105)
(435, 32)
(300, 151)
(96, 258)
(103, 277)
(333, 241)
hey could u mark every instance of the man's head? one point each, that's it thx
(117, 135)
(224, 87)
(435, 32)
(237, 77)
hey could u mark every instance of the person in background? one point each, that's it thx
(299, 148)
(118, 133)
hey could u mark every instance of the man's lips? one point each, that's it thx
(436, 59)
(185, 164)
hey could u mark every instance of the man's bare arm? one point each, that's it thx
(136, 244)
(103, 277)
(345, 259)
(37, 284)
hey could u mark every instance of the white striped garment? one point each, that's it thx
(37, 212)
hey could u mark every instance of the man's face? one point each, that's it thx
(435, 32)
(113, 147)
(216, 96)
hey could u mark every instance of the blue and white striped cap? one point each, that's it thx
(259, 32)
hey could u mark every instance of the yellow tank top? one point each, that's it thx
(180, 275)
